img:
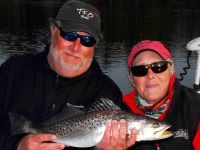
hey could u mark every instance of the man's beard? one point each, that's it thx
(58, 59)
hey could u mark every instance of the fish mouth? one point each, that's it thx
(164, 133)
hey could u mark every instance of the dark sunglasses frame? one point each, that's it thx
(156, 67)
(88, 41)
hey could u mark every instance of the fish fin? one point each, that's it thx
(70, 112)
(20, 125)
(66, 113)
(101, 105)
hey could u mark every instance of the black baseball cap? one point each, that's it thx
(79, 16)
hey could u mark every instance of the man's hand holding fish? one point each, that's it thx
(38, 141)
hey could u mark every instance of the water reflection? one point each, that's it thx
(124, 23)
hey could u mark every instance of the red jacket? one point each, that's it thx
(183, 114)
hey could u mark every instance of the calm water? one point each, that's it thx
(24, 29)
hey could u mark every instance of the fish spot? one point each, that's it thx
(156, 125)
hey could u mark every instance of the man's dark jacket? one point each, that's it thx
(29, 87)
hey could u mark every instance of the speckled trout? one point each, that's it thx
(86, 129)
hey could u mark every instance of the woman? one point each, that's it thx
(158, 94)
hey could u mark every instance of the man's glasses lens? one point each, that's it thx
(87, 41)
(156, 67)
(69, 36)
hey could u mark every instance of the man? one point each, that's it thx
(158, 94)
(39, 86)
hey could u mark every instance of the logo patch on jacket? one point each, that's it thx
(75, 106)
(181, 134)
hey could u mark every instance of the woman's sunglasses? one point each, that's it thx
(87, 41)
(156, 67)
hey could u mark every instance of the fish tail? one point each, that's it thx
(20, 125)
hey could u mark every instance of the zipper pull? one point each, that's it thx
(157, 146)
(53, 107)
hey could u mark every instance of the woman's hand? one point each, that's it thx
(116, 138)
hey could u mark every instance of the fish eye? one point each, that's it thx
(155, 125)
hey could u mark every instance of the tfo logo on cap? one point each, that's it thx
(85, 13)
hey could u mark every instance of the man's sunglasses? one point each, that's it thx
(156, 67)
(87, 41)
